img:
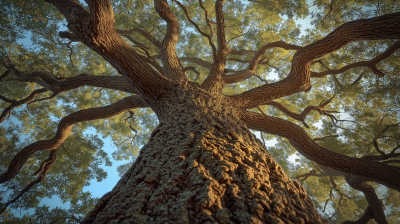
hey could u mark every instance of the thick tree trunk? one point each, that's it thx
(203, 165)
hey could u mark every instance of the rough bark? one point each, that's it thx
(203, 165)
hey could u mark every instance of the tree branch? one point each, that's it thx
(213, 79)
(301, 116)
(65, 127)
(209, 25)
(371, 64)
(198, 61)
(249, 71)
(119, 83)
(298, 138)
(209, 37)
(168, 56)
(44, 169)
(96, 30)
(15, 103)
(142, 32)
(370, 194)
(298, 80)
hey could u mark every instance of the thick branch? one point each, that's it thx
(372, 199)
(298, 80)
(370, 170)
(44, 168)
(96, 30)
(53, 84)
(217, 70)
(371, 64)
(65, 127)
(168, 56)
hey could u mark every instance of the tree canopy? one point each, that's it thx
(57, 86)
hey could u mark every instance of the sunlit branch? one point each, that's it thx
(96, 30)
(392, 161)
(222, 46)
(209, 37)
(168, 56)
(371, 64)
(212, 82)
(44, 169)
(53, 84)
(298, 80)
(65, 127)
(298, 138)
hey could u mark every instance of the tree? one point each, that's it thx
(201, 69)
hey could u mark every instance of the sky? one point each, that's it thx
(98, 189)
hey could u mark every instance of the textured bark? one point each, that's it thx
(203, 165)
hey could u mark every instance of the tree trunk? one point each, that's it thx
(203, 165)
